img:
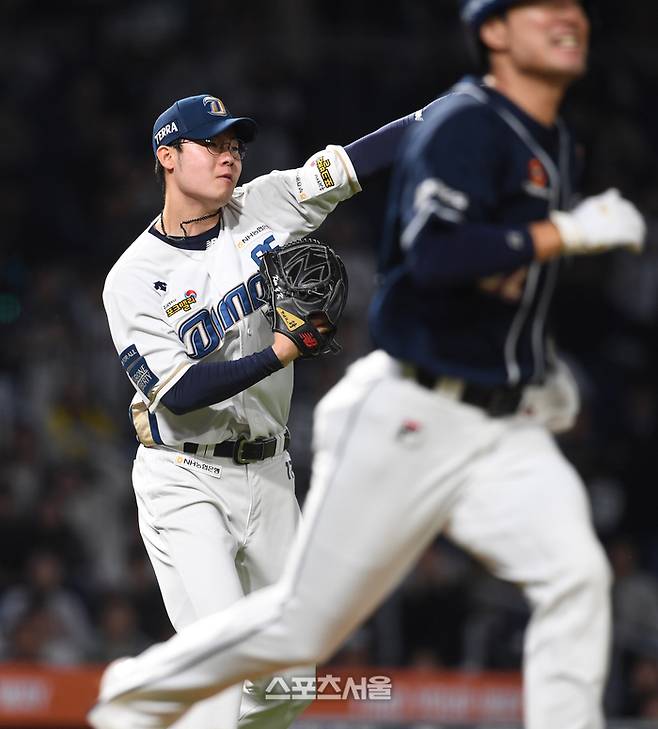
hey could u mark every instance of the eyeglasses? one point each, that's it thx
(237, 148)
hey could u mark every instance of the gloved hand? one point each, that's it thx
(599, 223)
(305, 291)
(556, 403)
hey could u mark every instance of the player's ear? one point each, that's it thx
(166, 157)
(493, 33)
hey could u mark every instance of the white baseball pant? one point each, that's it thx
(214, 531)
(395, 465)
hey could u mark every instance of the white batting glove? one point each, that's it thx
(556, 403)
(599, 223)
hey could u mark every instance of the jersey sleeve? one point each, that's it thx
(449, 199)
(299, 200)
(378, 150)
(149, 350)
(453, 162)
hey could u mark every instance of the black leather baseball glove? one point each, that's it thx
(305, 290)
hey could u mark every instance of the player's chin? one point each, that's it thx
(574, 72)
(570, 65)
(224, 189)
(566, 72)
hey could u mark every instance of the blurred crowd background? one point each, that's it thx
(82, 82)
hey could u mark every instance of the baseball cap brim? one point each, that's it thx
(199, 117)
(244, 128)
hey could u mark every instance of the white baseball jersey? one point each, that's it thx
(169, 307)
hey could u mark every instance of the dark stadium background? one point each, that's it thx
(81, 83)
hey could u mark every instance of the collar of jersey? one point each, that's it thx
(192, 242)
(544, 134)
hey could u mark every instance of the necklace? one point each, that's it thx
(186, 222)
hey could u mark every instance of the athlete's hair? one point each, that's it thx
(159, 169)
(477, 51)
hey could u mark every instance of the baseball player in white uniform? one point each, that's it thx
(446, 426)
(212, 476)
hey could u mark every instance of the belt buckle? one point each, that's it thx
(238, 456)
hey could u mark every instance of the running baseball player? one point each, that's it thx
(213, 479)
(446, 426)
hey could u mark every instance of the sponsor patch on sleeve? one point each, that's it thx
(317, 177)
(128, 356)
(138, 370)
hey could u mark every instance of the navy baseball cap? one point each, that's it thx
(475, 12)
(199, 117)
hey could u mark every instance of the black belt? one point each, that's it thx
(496, 401)
(242, 451)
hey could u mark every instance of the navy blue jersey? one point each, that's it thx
(460, 293)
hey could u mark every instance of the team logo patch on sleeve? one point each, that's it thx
(138, 370)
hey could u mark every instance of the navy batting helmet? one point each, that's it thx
(475, 12)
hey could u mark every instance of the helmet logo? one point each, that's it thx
(214, 106)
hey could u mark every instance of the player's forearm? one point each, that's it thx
(377, 150)
(546, 240)
(461, 253)
(285, 349)
(207, 383)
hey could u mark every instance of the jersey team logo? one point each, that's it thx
(184, 304)
(536, 173)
